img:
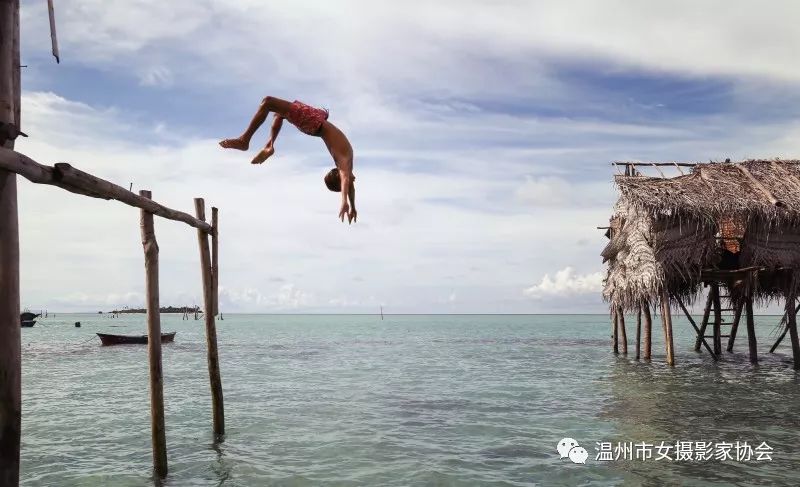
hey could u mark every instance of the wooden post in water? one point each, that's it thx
(735, 326)
(704, 323)
(217, 407)
(639, 332)
(717, 321)
(157, 425)
(751, 329)
(621, 322)
(215, 257)
(648, 330)
(791, 324)
(666, 321)
(614, 337)
(10, 348)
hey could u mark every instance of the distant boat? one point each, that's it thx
(28, 319)
(108, 339)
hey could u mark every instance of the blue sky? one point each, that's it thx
(482, 133)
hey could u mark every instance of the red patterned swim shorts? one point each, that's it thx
(306, 118)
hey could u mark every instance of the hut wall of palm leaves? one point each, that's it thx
(665, 231)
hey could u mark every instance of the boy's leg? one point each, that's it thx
(268, 104)
(269, 149)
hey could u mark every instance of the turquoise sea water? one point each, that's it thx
(411, 400)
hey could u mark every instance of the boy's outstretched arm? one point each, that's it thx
(353, 216)
(346, 179)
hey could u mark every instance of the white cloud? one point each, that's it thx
(566, 283)
(156, 76)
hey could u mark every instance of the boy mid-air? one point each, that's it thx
(311, 121)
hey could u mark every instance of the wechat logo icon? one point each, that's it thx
(569, 448)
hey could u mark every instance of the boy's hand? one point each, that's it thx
(352, 216)
(344, 211)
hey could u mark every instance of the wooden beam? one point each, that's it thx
(641, 163)
(703, 324)
(666, 321)
(53, 38)
(658, 168)
(648, 331)
(215, 256)
(735, 326)
(67, 177)
(785, 322)
(781, 336)
(700, 336)
(217, 407)
(158, 428)
(760, 187)
(751, 330)
(711, 275)
(82, 180)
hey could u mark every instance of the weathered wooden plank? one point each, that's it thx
(67, 177)
(76, 178)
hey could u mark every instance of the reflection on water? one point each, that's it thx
(411, 400)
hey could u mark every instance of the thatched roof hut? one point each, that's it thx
(731, 225)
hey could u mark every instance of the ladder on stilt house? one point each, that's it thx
(724, 321)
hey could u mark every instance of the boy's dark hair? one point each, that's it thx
(332, 180)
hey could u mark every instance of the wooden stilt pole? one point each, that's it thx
(666, 321)
(211, 327)
(780, 337)
(784, 321)
(10, 348)
(621, 322)
(735, 326)
(717, 321)
(215, 257)
(704, 323)
(157, 425)
(614, 327)
(791, 324)
(648, 330)
(751, 330)
(639, 332)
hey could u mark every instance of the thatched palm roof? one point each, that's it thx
(665, 231)
(717, 189)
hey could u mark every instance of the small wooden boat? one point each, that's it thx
(28, 319)
(108, 339)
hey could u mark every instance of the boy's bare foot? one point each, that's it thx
(237, 143)
(263, 155)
